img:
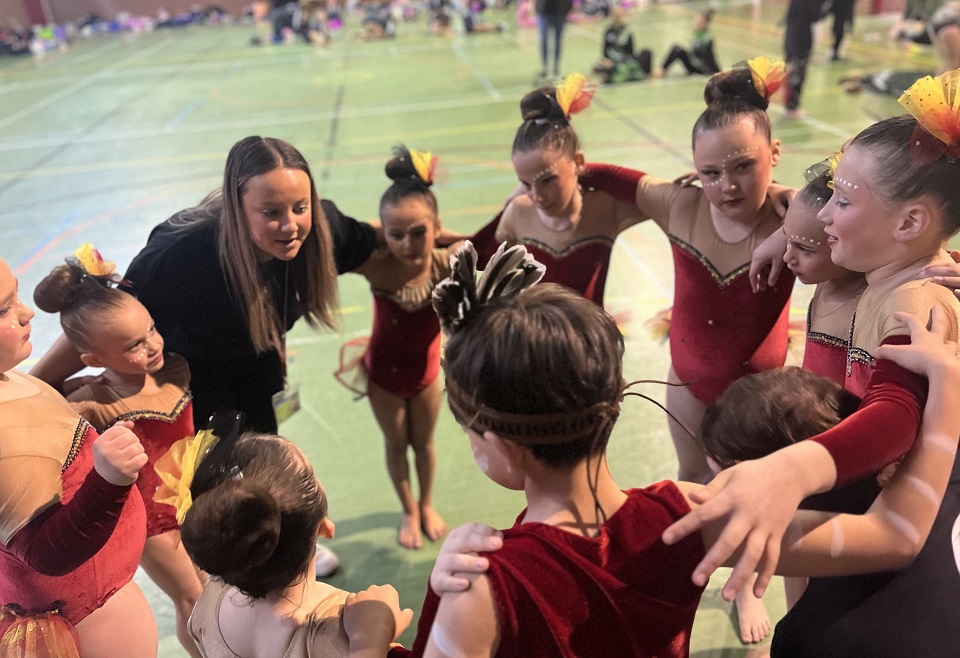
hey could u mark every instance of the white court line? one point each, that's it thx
(253, 122)
(462, 56)
(315, 415)
(94, 52)
(80, 84)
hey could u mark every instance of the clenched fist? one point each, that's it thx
(118, 455)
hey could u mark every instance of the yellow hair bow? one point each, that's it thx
(573, 94)
(832, 162)
(177, 467)
(424, 163)
(87, 258)
(768, 74)
(935, 103)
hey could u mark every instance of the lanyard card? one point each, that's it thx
(286, 402)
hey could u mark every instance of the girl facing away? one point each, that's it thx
(139, 384)
(890, 222)
(72, 524)
(254, 512)
(402, 361)
(534, 377)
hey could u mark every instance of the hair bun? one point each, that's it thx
(59, 290)
(245, 537)
(542, 104)
(733, 85)
(411, 166)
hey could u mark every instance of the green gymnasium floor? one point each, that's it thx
(101, 142)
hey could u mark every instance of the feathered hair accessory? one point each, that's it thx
(424, 163)
(573, 94)
(459, 297)
(935, 104)
(768, 74)
(89, 261)
(828, 167)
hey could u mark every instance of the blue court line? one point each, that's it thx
(64, 224)
(200, 100)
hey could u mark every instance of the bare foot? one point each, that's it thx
(752, 616)
(433, 526)
(408, 534)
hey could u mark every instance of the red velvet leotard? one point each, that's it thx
(581, 267)
(623, 593)
(114, 547)
(159, 420)
(825, 355)
(403, 356)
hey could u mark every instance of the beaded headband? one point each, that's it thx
(534, 429)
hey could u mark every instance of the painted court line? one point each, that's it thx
(462, 56)
(200, 100)
(82, 83)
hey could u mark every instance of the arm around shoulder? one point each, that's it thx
(58, 363)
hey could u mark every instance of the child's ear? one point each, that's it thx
(579, 160)
(90, 360)
(774, 152)
(513, 451)
(914, 220)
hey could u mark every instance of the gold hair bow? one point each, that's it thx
(935, 103)
(573, 94)
(88, 259)
(768, 74)
(424, 163)
(177, 467)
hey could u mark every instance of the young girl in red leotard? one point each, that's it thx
(402, 360)
(139, 384)
(71, 524)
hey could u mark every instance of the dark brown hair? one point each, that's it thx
(900, 180)
(256, 526)
(817, 192)
(545, 126)
(761, 413)
(547, 350)
(78, 298)
(406, 181)
(731, 96)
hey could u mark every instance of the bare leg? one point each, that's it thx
(391, 413)
(424, 410)
(167, 564)
(122, 628)
(751, 615)
(689, 411)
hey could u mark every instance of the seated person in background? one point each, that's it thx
(619, 62)
(473, 18)
(700, 58)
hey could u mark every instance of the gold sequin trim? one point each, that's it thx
(722, 280)
(570, 248)
(857, 354)
(78, 435)
(150, 414)
(414, 297)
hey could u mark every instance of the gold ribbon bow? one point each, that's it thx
(768, 74)
(935, 103)
(573, 94)
(177, 467)
(424, 163)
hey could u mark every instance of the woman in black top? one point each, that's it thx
(226, 279)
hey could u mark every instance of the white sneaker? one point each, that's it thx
(327, 562)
